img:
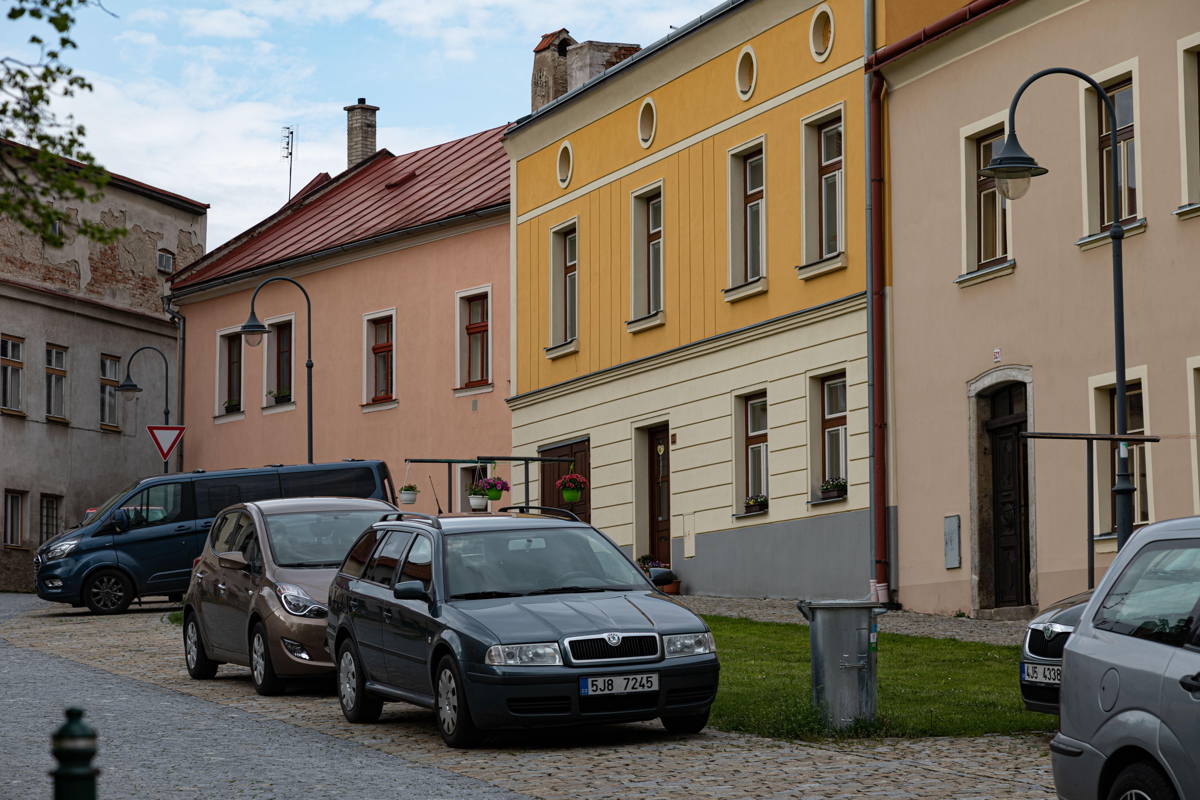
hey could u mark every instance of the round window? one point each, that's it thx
(566, 162)
(747, 73)
(820, 33)
(647, 122)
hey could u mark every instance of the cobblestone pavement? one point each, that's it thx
(906, 622)
(631, 762)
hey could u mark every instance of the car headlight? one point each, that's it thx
(61, 549)
(544, 654)
(689, 644)
(297, 602)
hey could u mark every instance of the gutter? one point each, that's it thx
(341, 248)
(936, 30)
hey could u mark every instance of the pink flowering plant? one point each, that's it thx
(494, 483)
(571, 480)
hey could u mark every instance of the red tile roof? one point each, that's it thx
(383, 194)
(548, 39)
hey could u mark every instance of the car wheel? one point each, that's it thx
(685, 723)
(266, 682)
(357, 705)
(108, 592)
(453, 716)
(199, 665)
(1142, 781)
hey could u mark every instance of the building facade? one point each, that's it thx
(405, 260)
(70, 318)
(690, 309)
(1003, 310)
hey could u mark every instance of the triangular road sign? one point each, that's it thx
(165, 438)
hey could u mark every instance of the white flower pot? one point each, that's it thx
(408, 498)
(478, 502)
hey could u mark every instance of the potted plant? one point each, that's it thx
(477, 496)
(756, 503)
(571, 485)
(408, 494)
(833, 488)
(494, 487)
(281, 395)
(233, 406)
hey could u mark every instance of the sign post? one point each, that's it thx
(165, 438)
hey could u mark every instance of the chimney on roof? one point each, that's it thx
(360, 132)
(550, 68)
(588, 59)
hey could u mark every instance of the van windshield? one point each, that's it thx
(316, 538)
(108, 504)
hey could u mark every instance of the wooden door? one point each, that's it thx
(659, 473)
(1010, 526)
(580, 454)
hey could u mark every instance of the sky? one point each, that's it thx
(191, 96)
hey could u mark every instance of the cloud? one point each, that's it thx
(149, 16)
(222, 23)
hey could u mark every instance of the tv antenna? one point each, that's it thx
(287, 148)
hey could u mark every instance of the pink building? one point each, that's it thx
(405, 259)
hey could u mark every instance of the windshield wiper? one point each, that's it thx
(483, 595)
(572, 589)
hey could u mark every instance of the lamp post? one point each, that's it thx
(253, 331)
(1012, 168)
(129, 388)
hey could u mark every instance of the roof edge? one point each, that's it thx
(934, 31)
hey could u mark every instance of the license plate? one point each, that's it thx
(1041, 673)
(619, 684)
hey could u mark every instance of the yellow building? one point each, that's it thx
(690, 307)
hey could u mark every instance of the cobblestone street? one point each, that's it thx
(625, 761)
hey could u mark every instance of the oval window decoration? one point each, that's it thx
(746, 74)
(820, 33)
(647, 124)
(566, 163)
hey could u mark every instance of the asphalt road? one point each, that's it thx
(156, 743)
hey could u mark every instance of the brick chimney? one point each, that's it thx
(360, 132)
(586, 60)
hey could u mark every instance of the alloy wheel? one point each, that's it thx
(347, 679)
(1135, 794)
(447, 701)
(258, 659)
(107, 592)
(190, 650)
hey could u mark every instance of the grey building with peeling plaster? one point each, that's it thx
(69, 319)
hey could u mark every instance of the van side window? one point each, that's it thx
(352, 482)
(356, 560)
(1156, 595)
(155, 505)
(387, 558)
(213, 494)
(418, 566)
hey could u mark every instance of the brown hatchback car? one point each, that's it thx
(259, 589)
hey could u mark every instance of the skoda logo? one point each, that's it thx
(613, 638)
(1051, 629)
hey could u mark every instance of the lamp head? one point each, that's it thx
(253, 331)
(1012, 168)
(128, 386)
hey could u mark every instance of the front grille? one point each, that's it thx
(614, 703)
(692, 694)
(1038, 645)
(597, 648)
(539, 705)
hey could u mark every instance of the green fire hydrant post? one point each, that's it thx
(74, 747)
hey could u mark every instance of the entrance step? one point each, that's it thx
(1010, 613)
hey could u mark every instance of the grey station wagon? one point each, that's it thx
(512, 621)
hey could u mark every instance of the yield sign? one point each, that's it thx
(165, 438)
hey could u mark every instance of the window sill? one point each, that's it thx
(657, 319)
(235, 416)
(1102, 238)
(824, 266)
(745, 514)
(12, 412)
(985, 274)
(382, 405)
(467, 391)
(24, 547)
(1104, 536)
(57, 420)
(562, 349)
(279, 408)
(744, 290)
(841, 499)
(1187, 211)
(110, 428)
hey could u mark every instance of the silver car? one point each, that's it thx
(1130, 699)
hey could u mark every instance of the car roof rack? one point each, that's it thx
(552, 511)
(398, 516)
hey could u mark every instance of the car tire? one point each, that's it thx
(357, 704)
(199, 666)
(108, 591)
(685, 723)
(1142, 781)
(453, 716)
(262, 672)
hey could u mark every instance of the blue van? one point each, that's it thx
(143, 540)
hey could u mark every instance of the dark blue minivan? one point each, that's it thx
(143, 540)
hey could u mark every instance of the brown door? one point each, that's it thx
(1010, 527)
(659, 460)
(551, 471)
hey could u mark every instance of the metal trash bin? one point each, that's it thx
(843, 636)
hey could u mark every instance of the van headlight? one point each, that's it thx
(61, 549)
(689, 644)
(544, 654)
(297, 602)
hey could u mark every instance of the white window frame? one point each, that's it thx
(816, 262)
(1089, 136)
(268, 364)
(171, 261)
(1188, 51)
(968, 148)
(738, 402)
(219, 382)
(368, 373)
(562, 344)
(842, 431)
(55, 377)
(115, 423)
(17, 539)
(16, 366)
(641, 316)
(1098, 405)
(737, 288)
(461, 344)
(815, 451)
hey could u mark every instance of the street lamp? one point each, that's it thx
(1012, 168)
(252, 333)
(129, 388)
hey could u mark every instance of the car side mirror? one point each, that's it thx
(233, 560)
(661, 577)
(120, 520)
(410, 590)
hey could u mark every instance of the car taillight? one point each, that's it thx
(196, 561)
